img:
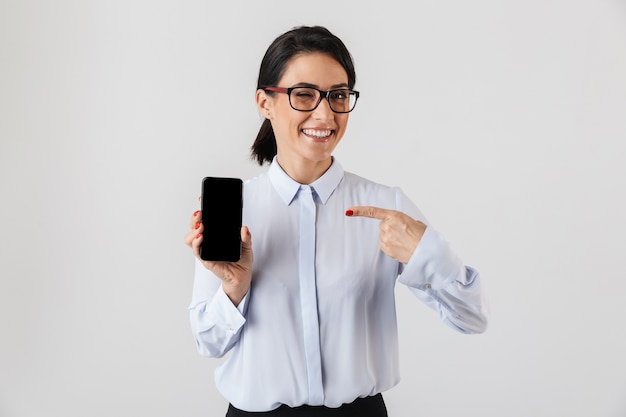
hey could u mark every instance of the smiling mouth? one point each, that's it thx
(318, 133)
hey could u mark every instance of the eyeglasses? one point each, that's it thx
(341, 100)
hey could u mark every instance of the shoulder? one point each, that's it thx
(256, 185)
(253, 182)
(377, 193)
(358, 182)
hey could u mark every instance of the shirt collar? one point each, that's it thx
(287, 188)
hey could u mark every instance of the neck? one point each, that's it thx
(306, 172)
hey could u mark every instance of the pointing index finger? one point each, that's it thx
(368, 211)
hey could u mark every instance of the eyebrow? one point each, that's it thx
(332, 87)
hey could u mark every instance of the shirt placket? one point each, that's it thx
(308, 296)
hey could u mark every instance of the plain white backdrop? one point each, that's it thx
(503, 120)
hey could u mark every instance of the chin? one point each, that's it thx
(318, 156)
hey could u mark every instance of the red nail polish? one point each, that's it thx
(197, 225)
(195, 213)
(349, 212)
(198, 235)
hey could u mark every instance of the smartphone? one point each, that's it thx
(222, 203)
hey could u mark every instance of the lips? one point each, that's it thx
(317, 133)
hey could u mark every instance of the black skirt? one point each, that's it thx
(373, 406)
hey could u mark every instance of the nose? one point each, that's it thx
(323, 110)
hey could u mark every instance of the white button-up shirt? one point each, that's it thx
(318, 325)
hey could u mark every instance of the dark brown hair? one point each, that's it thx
(299, 40)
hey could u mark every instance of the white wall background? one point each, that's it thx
(503, 120)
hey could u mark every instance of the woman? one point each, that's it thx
(308, 313)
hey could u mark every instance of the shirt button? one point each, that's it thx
(427, 286)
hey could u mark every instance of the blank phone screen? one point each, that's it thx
(221, 216)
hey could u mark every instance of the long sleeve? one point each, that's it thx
(438, 277)
(215, 321)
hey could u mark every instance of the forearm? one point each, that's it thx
(216, 321)
(216, 324)
(439, 278)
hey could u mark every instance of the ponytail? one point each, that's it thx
(264, 147)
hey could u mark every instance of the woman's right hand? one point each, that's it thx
(236, 276)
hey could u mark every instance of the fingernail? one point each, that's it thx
(349, 212)
(198, 235)
(195, 213)
(197, 225)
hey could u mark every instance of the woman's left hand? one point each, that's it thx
(399, 233)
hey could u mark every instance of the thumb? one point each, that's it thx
(246, 237)
(246, 248)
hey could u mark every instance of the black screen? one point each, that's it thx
(221, 216)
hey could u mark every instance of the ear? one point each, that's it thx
(264, 103)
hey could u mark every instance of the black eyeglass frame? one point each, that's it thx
(323, 95)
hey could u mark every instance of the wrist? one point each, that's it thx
(235, 292)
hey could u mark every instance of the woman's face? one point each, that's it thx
(306, 139)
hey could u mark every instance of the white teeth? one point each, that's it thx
(317, 133)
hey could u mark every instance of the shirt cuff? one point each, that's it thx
(232, 317)
(433, 265)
